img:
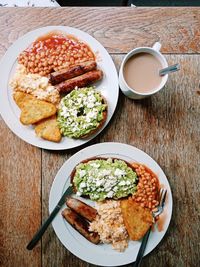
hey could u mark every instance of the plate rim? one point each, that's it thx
(81, 153)
(11, 122)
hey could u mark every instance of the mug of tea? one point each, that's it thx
(139, 72)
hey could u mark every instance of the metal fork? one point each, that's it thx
(163, 193)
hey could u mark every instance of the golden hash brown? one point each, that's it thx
(137, 219)
(21, 98)
(48, 129)
(35, 110)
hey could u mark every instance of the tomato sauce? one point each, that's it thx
(161, 222)
(54, 51)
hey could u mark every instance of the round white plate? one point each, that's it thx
(108, 86)
(103, 254)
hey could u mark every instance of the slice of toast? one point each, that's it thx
(73, 173)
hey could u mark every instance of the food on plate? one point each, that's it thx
(119, 215)
(80, 81)
(103, 178)
(81, 225)
(147, 188)
(71, 72)
(21, 98)
(81, 208)
(35, 110)
(54, 65)
(109, 225)
(54, 51)
(35, 85)
(137, 219)
(82, 112)
(48, 129)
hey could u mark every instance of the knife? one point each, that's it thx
(44, 226)
(142, 248)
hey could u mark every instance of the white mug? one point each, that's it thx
(131, 92)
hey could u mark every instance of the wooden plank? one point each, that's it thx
(20, 192)
(51, 163)
(168, 130)
(166, 126)
(119, 29)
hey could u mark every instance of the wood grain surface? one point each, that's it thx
(20, 191)
(118, 29)
(166, 126)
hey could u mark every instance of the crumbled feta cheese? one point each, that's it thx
(119, 172)
(105, 179)
(82, 173)
(82, 185)
(95, 165)
(91, 115)
(90, 105)
(78, 193)
(110, 194)
(99, 182)
(122, 183)
(105, 172)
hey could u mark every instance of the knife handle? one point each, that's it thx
(142, 249)
(42, 229)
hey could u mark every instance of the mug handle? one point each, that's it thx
(157, 46)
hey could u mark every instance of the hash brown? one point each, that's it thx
(35, 110)
(21, 98)
(136, 218)
(48, 129)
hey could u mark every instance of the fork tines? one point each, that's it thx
(163, 193)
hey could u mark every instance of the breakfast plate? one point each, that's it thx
(108, 86)
(103, 254)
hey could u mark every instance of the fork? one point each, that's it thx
(160, 208)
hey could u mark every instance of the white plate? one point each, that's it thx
(102, 254)
(9, 110)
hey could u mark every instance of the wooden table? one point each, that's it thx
(166, 126)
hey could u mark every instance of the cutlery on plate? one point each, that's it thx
(44, 226)
(169, 69)
(160, 208)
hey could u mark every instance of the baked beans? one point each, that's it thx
(54, 52)
(148, 187)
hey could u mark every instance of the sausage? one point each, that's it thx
(79, 81)
(81, 208)
(71, 72)
(81, 225)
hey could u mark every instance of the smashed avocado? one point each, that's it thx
(105, 178)
(80, 112)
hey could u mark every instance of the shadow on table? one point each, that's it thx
(93, 3)
(129, 2)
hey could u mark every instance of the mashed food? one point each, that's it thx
(81, 112)
(109, 225)
(35, 85)
(105, 178)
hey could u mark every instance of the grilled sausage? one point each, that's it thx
(81, 208)
(81, 225)
(80, 81)
(71, 72)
